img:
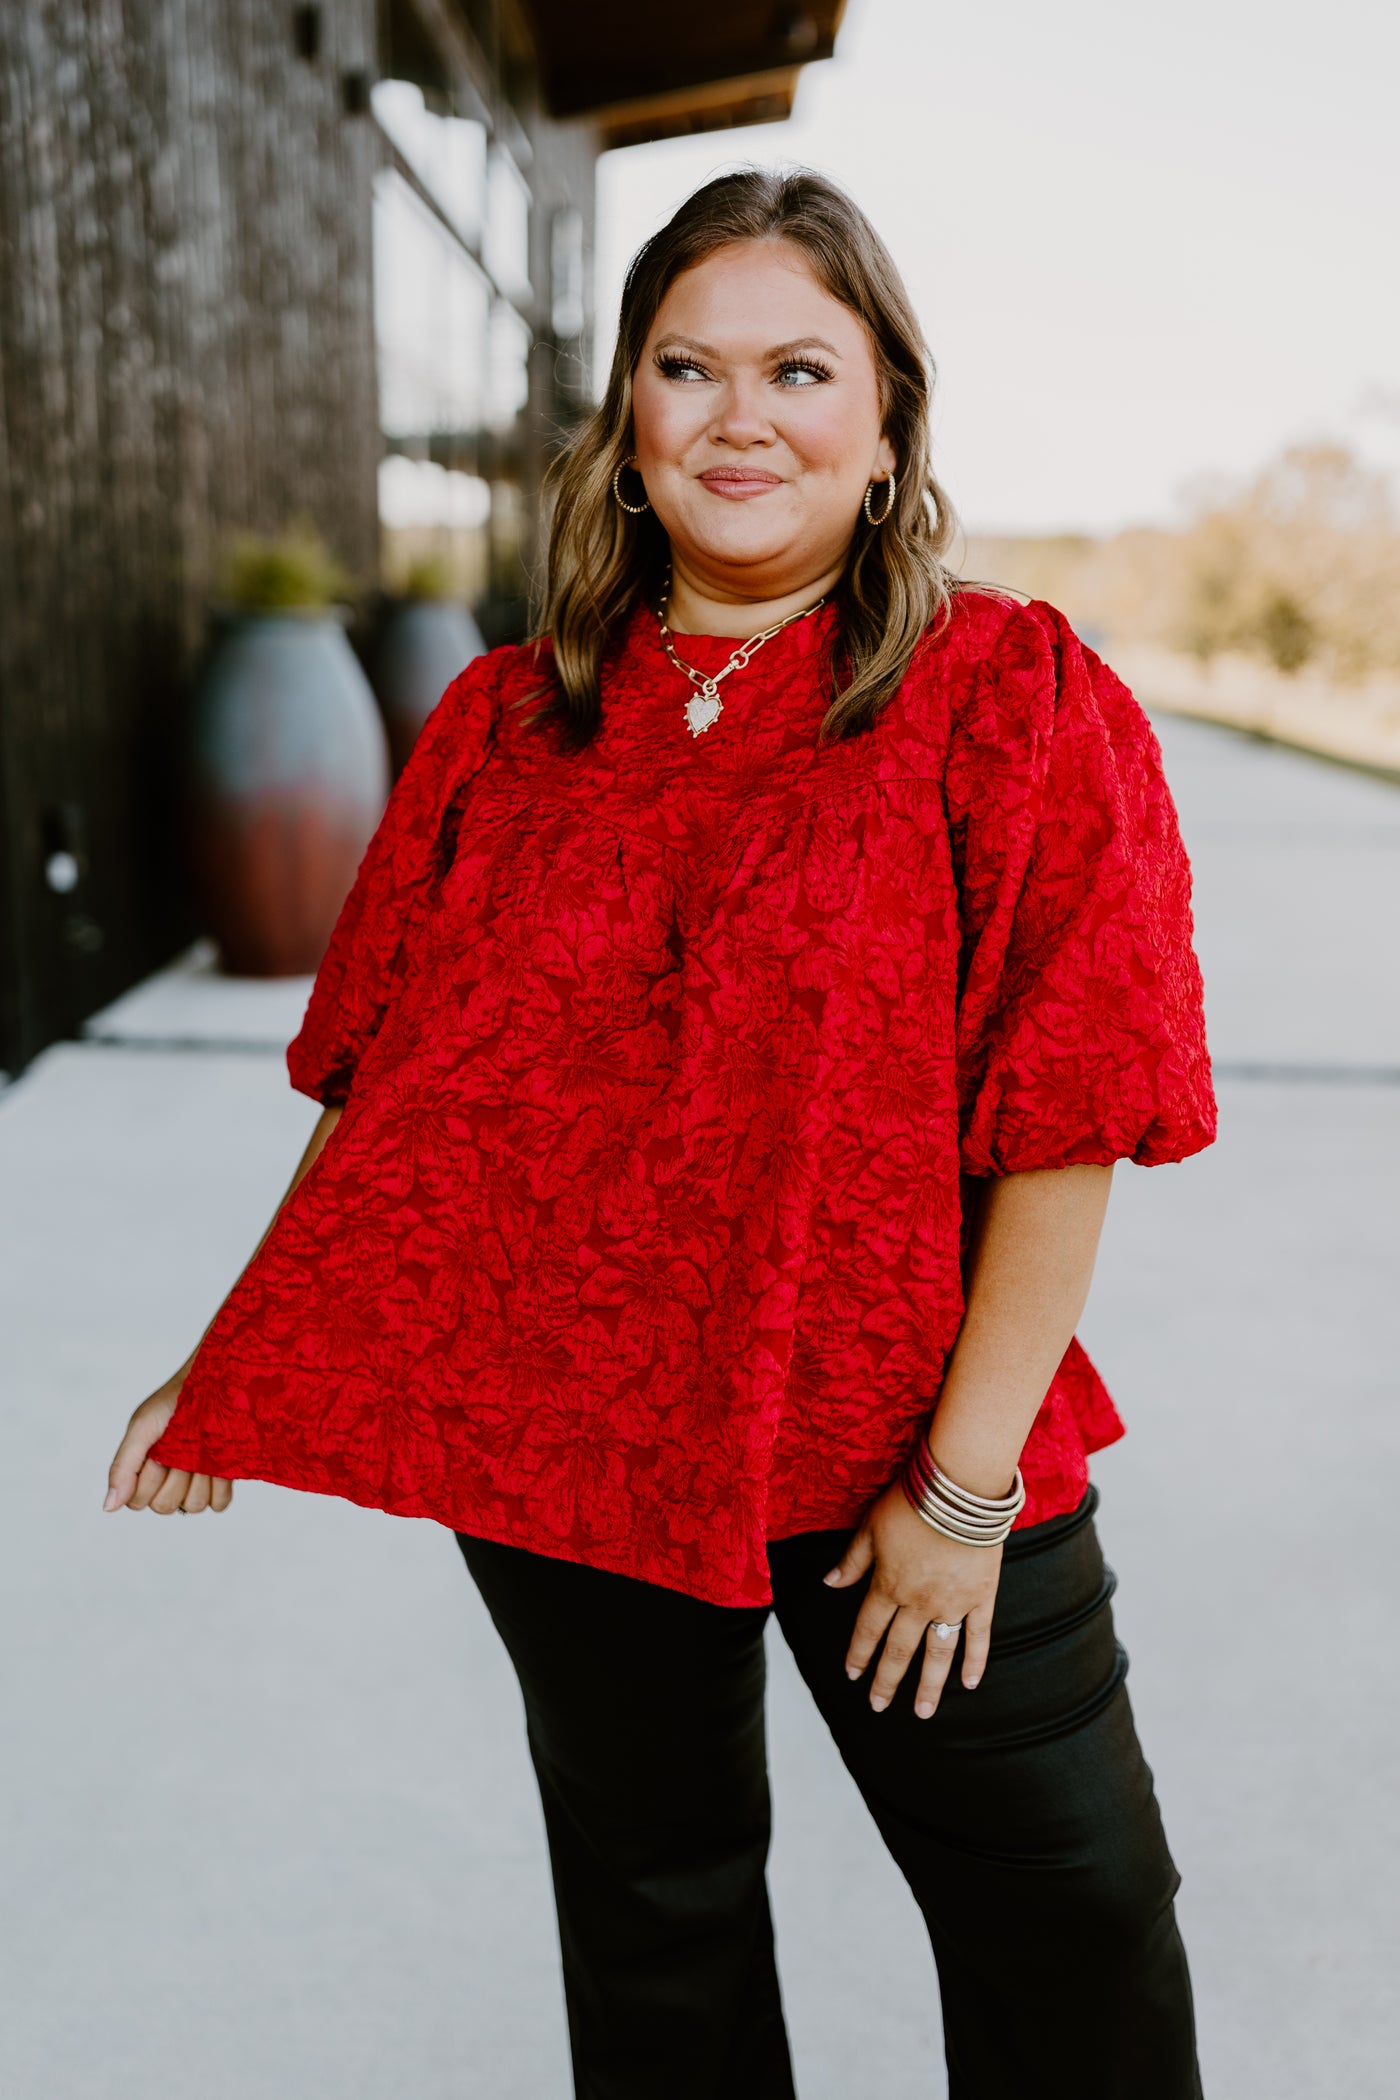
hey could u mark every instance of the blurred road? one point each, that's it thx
(268, 1823)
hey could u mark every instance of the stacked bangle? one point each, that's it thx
(975, 1520)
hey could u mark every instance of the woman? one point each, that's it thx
(724, 1052)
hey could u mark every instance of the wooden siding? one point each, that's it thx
(185, 349)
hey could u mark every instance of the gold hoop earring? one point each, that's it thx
(889, 501)
(634, 510)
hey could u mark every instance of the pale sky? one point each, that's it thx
(1147, 243)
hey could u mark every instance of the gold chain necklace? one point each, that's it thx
(704, 706)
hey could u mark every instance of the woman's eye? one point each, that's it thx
(682, 368)
(801, 373)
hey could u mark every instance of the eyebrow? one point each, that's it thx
(805, 342)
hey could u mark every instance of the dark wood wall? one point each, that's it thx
(185, 349)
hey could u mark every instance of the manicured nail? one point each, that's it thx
(878, 1703)
(111, 1501)
(922, 1709)
(834, 1576)
(972, 1683)
(852, 1672)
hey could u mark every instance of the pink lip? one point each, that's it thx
(740, 481)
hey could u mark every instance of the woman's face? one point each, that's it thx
(756, 420)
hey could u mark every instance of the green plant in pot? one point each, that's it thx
(428, 636)
(288, 765)
(293, 572)
(429, 578)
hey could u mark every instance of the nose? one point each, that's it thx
(741, 417)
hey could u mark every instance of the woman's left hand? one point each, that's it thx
(920, 1578)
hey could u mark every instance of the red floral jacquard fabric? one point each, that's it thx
(668, 1069)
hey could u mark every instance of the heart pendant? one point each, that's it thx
(703, 710)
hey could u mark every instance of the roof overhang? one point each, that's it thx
(641, 73)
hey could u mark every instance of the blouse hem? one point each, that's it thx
(1055, 1494)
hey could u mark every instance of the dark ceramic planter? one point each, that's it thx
(288, 776)
(425, 643)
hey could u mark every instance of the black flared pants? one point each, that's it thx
(1022, 1815)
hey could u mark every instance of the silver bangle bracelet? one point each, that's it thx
(937, 1524)
(972, 1520)
(952, 1523)
(938, 1520)
(932, 1476)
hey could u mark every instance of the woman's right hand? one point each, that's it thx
(138, 1482)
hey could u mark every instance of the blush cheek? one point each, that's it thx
(666, 424)
(830, 443)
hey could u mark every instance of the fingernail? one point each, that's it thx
(852, 1672)
(972, 1683)
(834, 1576)
(878, 1703)
(922, 1709)
(111, 1501)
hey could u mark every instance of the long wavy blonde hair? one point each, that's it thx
(602, 560)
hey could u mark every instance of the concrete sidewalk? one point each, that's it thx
(269, 1828)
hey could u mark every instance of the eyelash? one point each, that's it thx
(672, 366)
(807, 364)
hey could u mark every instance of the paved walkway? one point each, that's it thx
(267, 1821)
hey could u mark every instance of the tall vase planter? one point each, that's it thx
(288, 773)
(424, 644)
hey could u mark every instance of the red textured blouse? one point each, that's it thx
(668, 1068)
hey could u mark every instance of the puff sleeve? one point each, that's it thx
(1081, 1035)
(363, 967)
